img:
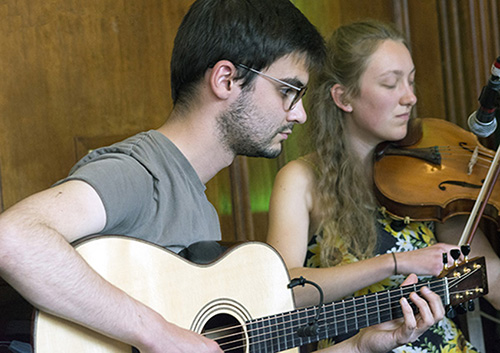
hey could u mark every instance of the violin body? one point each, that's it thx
(429, 177)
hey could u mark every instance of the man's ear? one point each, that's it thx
(221, 79)
(338, 94)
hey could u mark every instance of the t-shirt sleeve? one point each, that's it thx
(125, 187)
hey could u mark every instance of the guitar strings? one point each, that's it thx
(350, 324)
(346, 317)
(274, 341)
(348, 327)
(303, 340)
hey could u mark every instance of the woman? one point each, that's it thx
(323, 213)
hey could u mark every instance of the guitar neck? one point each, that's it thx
(280, 332)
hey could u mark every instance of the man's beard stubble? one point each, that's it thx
(243, 131)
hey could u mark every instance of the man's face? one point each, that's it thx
(259, 120)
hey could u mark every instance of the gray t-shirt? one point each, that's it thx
(150, 191)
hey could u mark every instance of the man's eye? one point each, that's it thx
(287, 91)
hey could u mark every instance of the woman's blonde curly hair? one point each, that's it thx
(346, 200)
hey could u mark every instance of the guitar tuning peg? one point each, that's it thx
(471, 305)
(445, 261)
(465, 251)
(451, 313)
(455, 253)
(461, 309)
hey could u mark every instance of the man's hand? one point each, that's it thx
(389, 335)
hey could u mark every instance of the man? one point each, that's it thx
(239, 68)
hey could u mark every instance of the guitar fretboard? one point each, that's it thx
(279, 332)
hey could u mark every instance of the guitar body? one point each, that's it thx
(249, 281)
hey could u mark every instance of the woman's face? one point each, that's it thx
(381, 110)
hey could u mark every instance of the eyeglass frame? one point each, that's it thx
(299, 91)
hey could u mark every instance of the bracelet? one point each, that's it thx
(395, 263)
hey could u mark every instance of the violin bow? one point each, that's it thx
(481, 201)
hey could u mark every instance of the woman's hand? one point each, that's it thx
(425, 261)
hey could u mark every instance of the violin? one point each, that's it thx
(434, 173)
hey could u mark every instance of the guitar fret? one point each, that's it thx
(438, 287)
(327, 331)
(335, 320)
(253, 337)
(282, 336)
(355, 315)
(345, 316)
(386, 313)
(366, 313)
(295, 320)
(289, 331)
(267, 336)
(378, 308)
(446, 293)
(276, 337)
(262, 336)
(305, 322)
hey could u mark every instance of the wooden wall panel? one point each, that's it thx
(470, 43)
(1, 191)
(77, 74)
(78, 69)
(422, 32)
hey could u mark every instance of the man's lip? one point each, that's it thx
(285, 134)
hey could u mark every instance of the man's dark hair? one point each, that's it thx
(255, 33)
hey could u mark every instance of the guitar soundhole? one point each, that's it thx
(227, 331)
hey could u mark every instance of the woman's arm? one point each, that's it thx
(292, 221)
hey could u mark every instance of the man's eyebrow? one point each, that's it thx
(293, 81)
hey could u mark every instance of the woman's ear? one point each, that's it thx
(221, 79)
(338, 94)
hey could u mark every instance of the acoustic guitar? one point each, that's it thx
(241, 300)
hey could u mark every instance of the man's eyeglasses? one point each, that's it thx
(292, 94)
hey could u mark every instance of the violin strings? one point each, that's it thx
(449, 153)
(480, 162)
(466, 149)
(327, 309)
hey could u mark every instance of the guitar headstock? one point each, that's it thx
(466, 281)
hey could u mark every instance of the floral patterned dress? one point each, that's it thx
(395, 236)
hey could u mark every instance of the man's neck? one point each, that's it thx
(195, 136)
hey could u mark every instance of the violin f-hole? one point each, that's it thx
(463, 184)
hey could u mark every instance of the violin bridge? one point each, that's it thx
(473, 160)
